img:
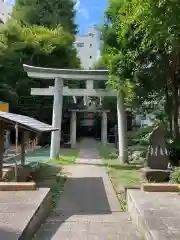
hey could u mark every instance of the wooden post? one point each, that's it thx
(37, 139)
(16, 129)
(26, 140)
(1, 146)
(23, 148)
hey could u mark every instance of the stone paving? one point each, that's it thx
(88, 208)
(16, 211)
(156, 213)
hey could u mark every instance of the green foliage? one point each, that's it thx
(50, 176)
(158, 49)
(138, 140)
(46, 13)
(39, 33)
(141, 40)
(67, 156)
(101, 64)
(174, 152)
(175, 176)
(141, 135)
(114, 53)
(107, 152)
(138, 156)
(35, 45)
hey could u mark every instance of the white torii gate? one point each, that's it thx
(58, 91)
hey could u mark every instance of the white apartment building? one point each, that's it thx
(5, 10)
(88, 48)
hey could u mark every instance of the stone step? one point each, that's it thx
(155, 214)
(17, 186)
(22, 212)
(115, 226)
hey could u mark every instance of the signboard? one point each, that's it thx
(4, 107)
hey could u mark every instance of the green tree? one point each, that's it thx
(46, 13)
(115, 57)
(158, 55)
(36, 45)
(141, 43)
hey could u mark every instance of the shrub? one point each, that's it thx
(174, 153)
(138, 156)
(140, 136)
(175, 176)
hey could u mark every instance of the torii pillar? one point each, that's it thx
(57, 118)
(104, 139)
(73, 129)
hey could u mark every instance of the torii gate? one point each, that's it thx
(58, 91)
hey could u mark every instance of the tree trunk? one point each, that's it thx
(122, 129)
(1, 146)
(168, 108)
(175, 112)
(173, 70)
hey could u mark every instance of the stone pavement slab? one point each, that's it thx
(16, 210)
(88, 208)
(158, 213)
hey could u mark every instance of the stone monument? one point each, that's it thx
(156, 169)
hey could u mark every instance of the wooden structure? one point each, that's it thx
(24, 124)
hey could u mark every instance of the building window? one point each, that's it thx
(90, 57)
(91, 34)
(80, 44)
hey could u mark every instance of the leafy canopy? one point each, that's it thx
(46, 13)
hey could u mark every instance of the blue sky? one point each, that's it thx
(89, 12)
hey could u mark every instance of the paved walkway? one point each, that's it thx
(88, 208)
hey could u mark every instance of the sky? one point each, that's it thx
(89, 13)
